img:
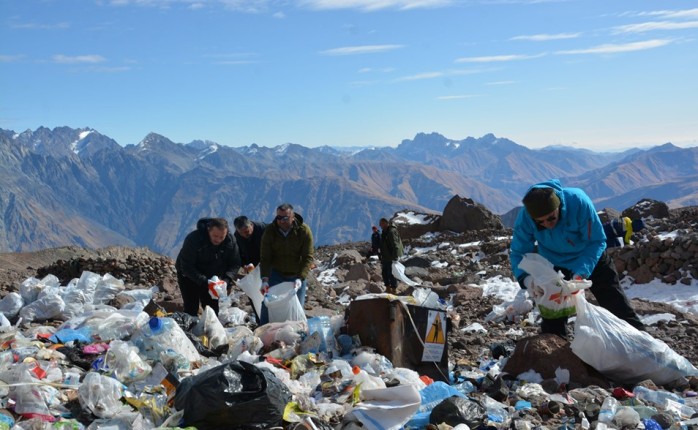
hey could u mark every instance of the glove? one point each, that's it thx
(265, 287)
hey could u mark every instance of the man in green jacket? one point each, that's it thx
(391, 250)
(286, 253)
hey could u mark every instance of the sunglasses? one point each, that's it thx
(551, 218)
(282, 217)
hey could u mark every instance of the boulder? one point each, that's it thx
(411, 224)
(546, 353)
(348, 257)
(357, 271)
(463, 214)
(647, 208)
(607, 214)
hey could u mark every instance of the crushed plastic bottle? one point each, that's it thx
(656, 397)
(608, 410)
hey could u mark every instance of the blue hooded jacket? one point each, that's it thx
(576, 242)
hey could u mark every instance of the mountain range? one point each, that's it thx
(67, 186)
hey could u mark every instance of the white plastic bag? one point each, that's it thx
(123, 360)
(560, 296)
(251, 284)
(107, 288)
(621, 352)
(398, 270)
(213, 329)
(217, 288)
(11, 304)
(100, 395)
(283, 304)
(48, 307)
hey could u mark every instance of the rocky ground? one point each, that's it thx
(452, 265)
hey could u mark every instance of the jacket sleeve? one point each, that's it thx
(595, 239)
(308, 252)
(234, 261)
(187, 256)
(265, 252)
(522, 242)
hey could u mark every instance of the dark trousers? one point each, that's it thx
(387, 272)
(193, 294)
(606, 288)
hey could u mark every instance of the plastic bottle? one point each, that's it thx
(584, 421)
(656, 397)
(367, 381)
(608, 410)
(161, 334)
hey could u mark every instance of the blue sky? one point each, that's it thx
(602, 75)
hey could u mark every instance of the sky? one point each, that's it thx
(596, 74)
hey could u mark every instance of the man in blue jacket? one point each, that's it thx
(562, 225)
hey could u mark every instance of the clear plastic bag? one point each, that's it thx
(398, 270)
(251, 284)
(621, 352)
(100, 395)
(123, 360)
(11, 304)
(283, 304)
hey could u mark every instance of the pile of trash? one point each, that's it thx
(70, 359)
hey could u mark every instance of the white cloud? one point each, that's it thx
(38, 26)
(10, 58)
(496, 58)
(686, 13)
(460, 97)
(279, 15)
(420, 76)
(546, 37)
(373, 70)
(77, 59)
(372, 5)
(365, 49)
(235, 62)
(617, 48)
(500, 83)
(435, 75)
(655, 25)
(196, 6)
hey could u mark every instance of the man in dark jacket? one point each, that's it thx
(287, 253)
(248, 235)
(208, 251)
(375, 242)
(391, 250)
(619, 231)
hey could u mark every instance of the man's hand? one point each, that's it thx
(249, 267)
(265, 286)
(298, 284)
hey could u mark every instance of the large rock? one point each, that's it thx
(412, 224)
(607, 214)
(348, 257)
(356, 272)
(647, 208)
(463, 214)
(546, 353)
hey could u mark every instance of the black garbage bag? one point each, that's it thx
(234, 395)
(458, 410)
